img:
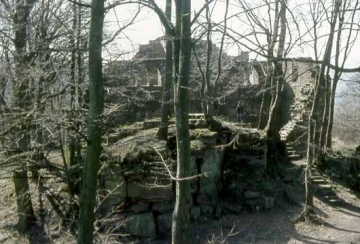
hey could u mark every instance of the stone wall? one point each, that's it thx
(136, 185)
(144, 102)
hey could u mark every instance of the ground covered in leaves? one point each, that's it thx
(337, 223)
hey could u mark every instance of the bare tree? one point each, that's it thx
(315, 116)
(166, 85)
(22, 102)
(93, 149)
(210, 79)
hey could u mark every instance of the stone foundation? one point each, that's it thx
(232, 163)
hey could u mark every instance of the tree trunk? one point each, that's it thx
(180, 233)
(23, 200)
(326, 113)
(264, 81)
(331, 114)
(323, 76)
(21, 102)
(274, 123)
(208, 87)
(93, 150)
(166, 89)
(80, 77)
(309, 199)
(314, 115)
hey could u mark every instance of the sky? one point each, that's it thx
(147, 26)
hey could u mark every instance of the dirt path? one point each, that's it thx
(339, 223)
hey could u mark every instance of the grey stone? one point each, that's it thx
(201, 124)
(195, 212)
(139, 207)
(258, 166)
(207, 210)
(205, 135)
(142, 225)
(218, 212)
(210, 185)
(147, 192)
(231, 208)
(164, 222)
(269, 202)
(256, 204)
(251, 194)
(115, 184)
(3, 238)
(163, 207)
(194, 171)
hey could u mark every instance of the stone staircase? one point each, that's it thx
(292, 153)
(323, 189)
(299, 114)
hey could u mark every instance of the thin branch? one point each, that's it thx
(176, 178)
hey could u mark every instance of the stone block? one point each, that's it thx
(164, 222)
(210, 185)
(142, 225)
(195, 212)
(163, 207)
(230, 208)
(206, 210)
(139, 207)
(147, 192)
(251, 194)
(205, 135)
(269, 202)
(115, 185)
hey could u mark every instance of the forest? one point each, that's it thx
(237, 123)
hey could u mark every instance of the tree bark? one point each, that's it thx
(266, 97)
(314, 116)
(331, 114)
(93, 150)
(166, 89)
(21, 102)
(274, 123)
(180, 233)
(324, 71)
(208, 94)
(326, 113)
(23, 200)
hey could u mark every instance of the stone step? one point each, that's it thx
(324, 186)
(331, 198)
(291, 152)
(318, 180)
(316, 175)
(294, 157)
(196, 116)
(327, 192)
(334, 200)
